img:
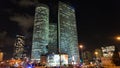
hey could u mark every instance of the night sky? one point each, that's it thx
(98, 22)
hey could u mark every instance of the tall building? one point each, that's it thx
(19, 46)
(68, 42)
(58, 37)
(40, 32)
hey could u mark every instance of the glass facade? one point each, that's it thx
(40, 32)
(68, 42)
(58, 37)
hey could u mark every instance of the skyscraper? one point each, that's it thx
(40, 32)
(58, 37)
(68, 42)
(19, 47)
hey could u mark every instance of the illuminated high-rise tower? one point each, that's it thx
(19, 46)
(40, 31)
(58, 37)
(67, 32)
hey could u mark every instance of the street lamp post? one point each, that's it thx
(81, 58)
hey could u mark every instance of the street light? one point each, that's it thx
(96, 54)
(81, 47)
(118, 38)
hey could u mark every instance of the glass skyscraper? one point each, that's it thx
(68, 42)
(40, 31)
(58, 37)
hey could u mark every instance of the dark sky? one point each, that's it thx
(98, 22)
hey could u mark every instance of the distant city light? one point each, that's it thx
(118, 38)
(30, 67)
(96, 53)
(81, 46)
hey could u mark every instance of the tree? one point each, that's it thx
(116, 57)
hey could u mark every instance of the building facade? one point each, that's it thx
(68, 42)
(40, 31)
(58, 37)
(19, 47)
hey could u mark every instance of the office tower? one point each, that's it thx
(19, 47)
(67, 30)
(40, 31)
(58, 37)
